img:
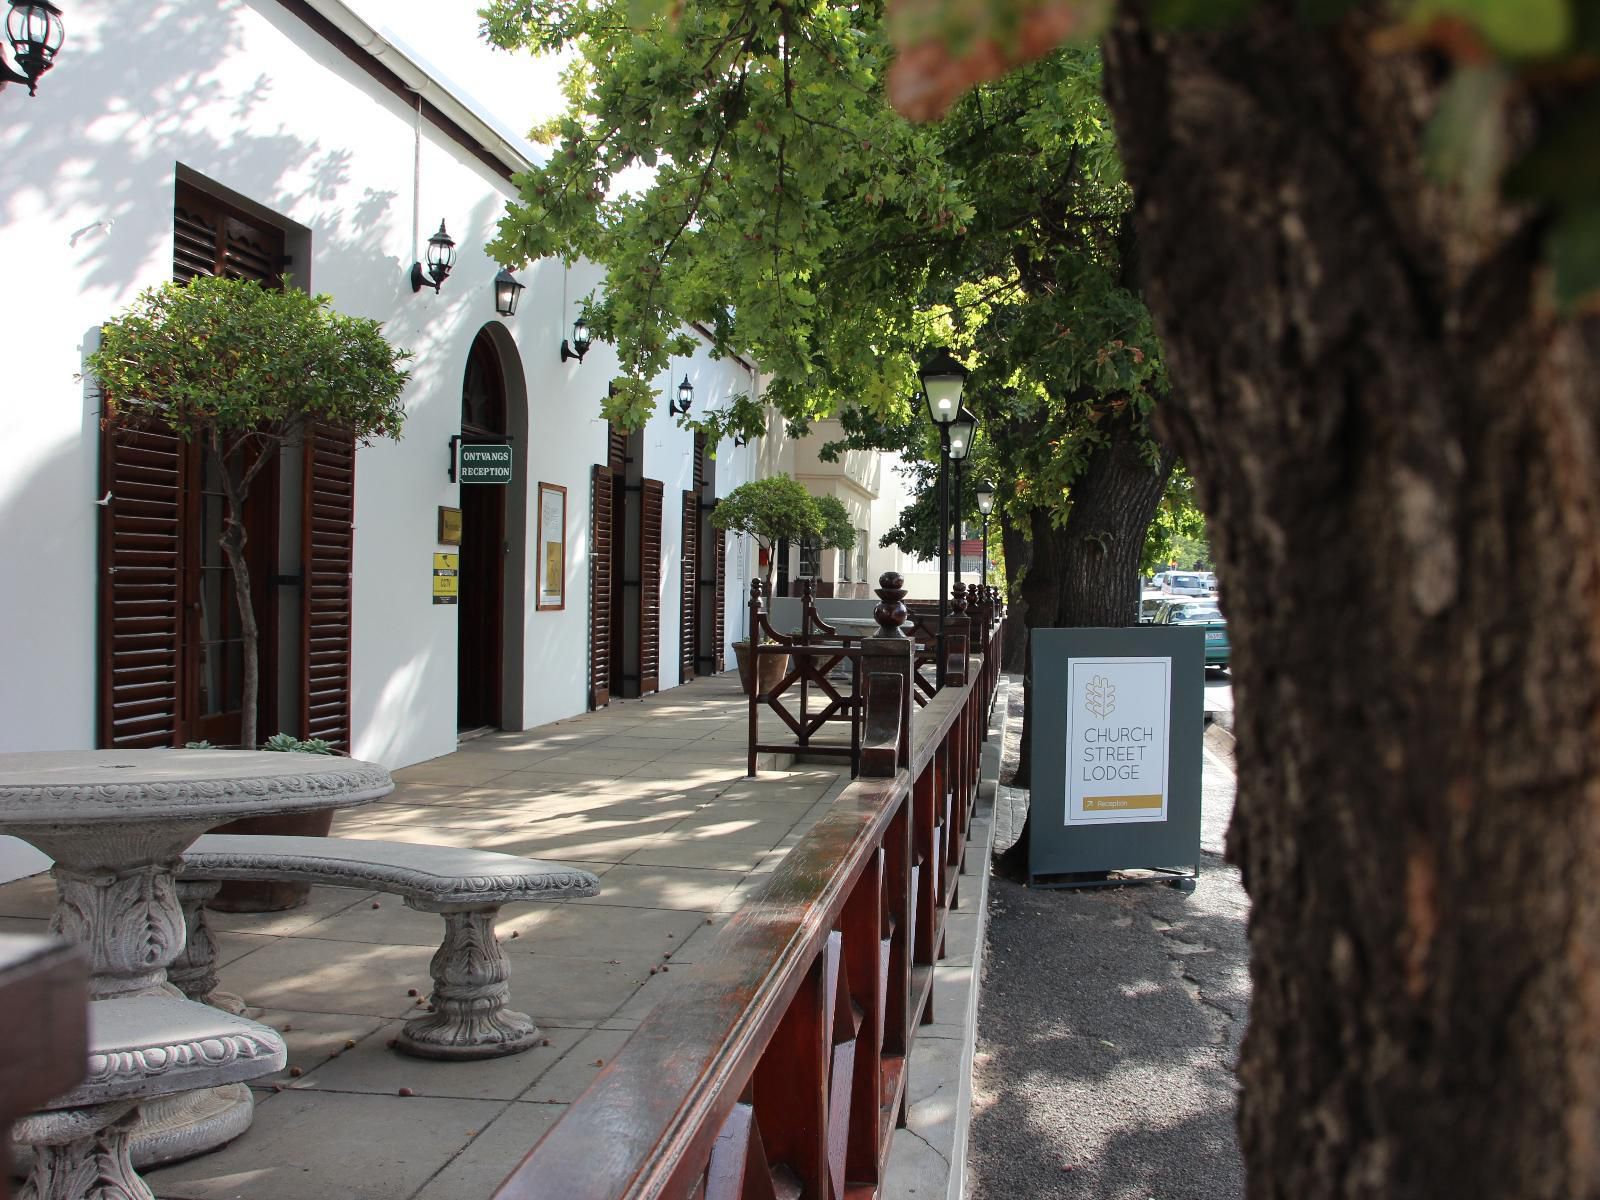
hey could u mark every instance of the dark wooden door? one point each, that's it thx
(479, 642)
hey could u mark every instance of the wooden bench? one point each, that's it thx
(140, 1047)
(470, 1015)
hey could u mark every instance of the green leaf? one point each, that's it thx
(1518, 28)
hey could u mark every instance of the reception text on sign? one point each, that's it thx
(1118, 713)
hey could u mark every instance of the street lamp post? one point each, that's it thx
(943, 377)
(962, 430)
(986, 506)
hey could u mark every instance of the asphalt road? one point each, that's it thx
(1108, 1028)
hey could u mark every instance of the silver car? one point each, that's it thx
(1188, 583)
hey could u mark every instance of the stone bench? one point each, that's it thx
(140, 1047)
(470, 1015)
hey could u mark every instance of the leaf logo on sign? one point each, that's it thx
(1100, 697)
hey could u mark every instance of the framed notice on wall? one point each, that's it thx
(552, 547)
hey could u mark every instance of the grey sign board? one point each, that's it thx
(486, 463)
(1118, 719)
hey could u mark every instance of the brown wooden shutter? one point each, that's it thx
(600, 584)
(689, 587)
(719, 619)
(327, 547)
(616, 449)
(651, 495)
(141, 580)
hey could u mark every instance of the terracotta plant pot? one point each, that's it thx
(260, 895)
(773, 668)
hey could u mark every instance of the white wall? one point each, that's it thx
(262, 107)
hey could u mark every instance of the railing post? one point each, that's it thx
(755, 677)
(892, 653)
(957, 639)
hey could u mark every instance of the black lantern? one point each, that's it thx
(441, 257)
(35, 32)
(507, 291)
(739, 439)
(962, 430)
(943, 377)
(580, 341)
(680, 406)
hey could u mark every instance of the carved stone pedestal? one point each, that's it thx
(471, 990)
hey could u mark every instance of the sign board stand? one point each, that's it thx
(1118, 719)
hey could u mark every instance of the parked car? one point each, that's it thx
(1150, 604)
(1188, 583)
(1200, 611)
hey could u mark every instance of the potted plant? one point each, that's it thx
(244, 371)
(772, 510)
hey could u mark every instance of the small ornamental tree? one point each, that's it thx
(244, 370)
(779, 509)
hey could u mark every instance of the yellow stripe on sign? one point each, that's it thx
(1119, 803)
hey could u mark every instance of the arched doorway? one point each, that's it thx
(480, 643)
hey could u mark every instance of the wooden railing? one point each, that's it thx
(777, 1068)
(815, 650)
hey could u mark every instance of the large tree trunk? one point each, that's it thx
(1396, 445)
(1086, 572)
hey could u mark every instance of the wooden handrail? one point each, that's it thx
(779, 1064)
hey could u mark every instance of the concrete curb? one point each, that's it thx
(928, 1157)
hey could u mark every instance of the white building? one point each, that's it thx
(287, 137)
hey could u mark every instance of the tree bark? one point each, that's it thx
(1019, 557)
(1086, 572)
(1363, 366)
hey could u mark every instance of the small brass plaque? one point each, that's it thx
(449, 526)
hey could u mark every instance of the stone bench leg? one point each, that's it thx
(194, 971)
(80, 1152)
(470, 1017)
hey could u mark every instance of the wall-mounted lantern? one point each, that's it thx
(680, 406)
(34, 29)
(579, 345)
(507, 291)
(441, 257)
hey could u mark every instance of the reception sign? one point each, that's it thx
(1118, 722)
(1116, 736)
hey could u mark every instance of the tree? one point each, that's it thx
(1368, 236)
(778, 508)
(244, 370)
(796, 217)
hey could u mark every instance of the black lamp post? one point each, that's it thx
(986, 506)
(962, 430)
(507, 291)
(943, 377)
(34, 29)
(441, 257)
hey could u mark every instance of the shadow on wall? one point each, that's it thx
(132, 61)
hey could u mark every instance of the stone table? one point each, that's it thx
(116, 823)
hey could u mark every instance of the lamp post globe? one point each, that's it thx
(35, 32)
(685, 396)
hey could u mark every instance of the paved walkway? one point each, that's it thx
(650, 796)
(1108, 1029)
